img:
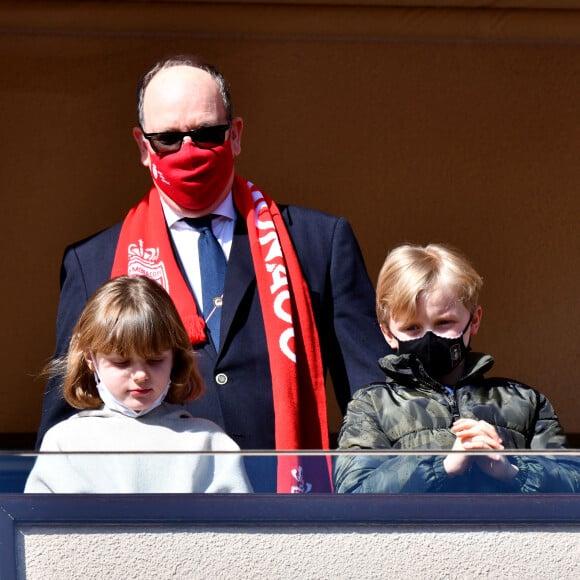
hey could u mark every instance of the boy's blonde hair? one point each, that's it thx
(411, 271)
(129, 316)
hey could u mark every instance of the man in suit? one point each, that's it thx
(296, 299)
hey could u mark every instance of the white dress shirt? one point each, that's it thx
(185, 239)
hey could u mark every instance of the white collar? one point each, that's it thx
(225, 209)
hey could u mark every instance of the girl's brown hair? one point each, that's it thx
(128, 316)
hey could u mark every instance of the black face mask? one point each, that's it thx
(439, 355)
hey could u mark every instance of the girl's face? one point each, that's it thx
(136, 382)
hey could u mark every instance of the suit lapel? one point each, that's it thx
(239, 275)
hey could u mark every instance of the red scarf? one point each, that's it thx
(297, 374)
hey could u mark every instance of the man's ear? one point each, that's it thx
(476, 320)
(142, 145)
(389, 337)
(236, 128)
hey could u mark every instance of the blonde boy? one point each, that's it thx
(436, 395)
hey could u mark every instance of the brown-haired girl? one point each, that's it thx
(129, 366)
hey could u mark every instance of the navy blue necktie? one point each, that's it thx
(212, 267)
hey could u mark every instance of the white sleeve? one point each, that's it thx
(230, 474)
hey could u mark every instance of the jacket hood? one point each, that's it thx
(407, 369)
(166, 410)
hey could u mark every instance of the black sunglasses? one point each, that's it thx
(204, 138)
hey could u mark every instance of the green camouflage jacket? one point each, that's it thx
(412, 411)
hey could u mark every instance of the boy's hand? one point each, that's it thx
(477, 434)
(481, 435)
(470, 434)
(499, 468)
(456, 463)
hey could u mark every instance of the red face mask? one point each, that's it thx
(193, 178)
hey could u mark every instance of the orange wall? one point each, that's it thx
(454, 125)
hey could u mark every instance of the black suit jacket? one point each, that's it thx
(238, 382)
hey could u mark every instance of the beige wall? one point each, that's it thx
(362, 552)
(455, 125)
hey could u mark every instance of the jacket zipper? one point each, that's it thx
(450, 393)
